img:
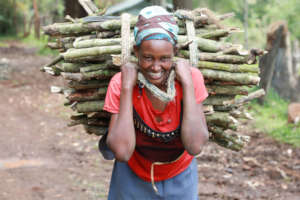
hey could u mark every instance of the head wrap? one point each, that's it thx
(155, 23)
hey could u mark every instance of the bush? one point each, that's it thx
(9, 17)
(271, 118)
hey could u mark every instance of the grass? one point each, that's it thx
(271, 118)
(30, 41)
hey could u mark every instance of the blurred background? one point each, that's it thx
(41, 158)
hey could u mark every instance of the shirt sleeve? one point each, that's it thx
(112, 98)
(199, 86)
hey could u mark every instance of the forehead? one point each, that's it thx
(156, 47)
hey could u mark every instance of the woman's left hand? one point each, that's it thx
(183, 71)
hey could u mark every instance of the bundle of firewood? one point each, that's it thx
(91, 53)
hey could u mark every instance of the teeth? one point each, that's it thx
(155, 75)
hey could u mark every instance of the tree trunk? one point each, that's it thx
(180, 4)
(74, 9)
(36, 19)
(246, 23)
(267, 63)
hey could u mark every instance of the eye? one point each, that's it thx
(165, 59)
(147, 58)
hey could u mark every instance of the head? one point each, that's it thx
(156, 37)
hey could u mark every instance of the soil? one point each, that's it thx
(42, 158)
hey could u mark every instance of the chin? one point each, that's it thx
(158, 83)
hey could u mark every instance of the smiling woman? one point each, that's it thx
(155, 139)
(155, 61)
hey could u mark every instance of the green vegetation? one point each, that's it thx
(30, 41)
(272, 119)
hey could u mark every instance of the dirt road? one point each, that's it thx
(41, 158)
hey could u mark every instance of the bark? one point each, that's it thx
(88, 84)
(179, 4)
(97, 130)
(97, 43)
(267, 63)
(215, 35)
(88, 95)
(225, 66)
(218, 100)
(227, 90)
(222, 119)
(244, 99)
(231, 141)
(36, 20)
(91, 52)
(216, 57)
(246, 23)
(53, 62)
(74, 9)
(82, 67)
(99, 75)
(206, 44)
(89, 106)
(238, 78)
(89, 121)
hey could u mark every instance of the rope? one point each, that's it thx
(125, 57)
(161, 95)
(193, 47)
(125, 35)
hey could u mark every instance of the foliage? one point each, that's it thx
(15, 15)
(30, 41)
(9, 17)
(40, 44)
(272, 119)
(261, 13)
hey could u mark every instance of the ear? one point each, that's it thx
(175, 48)
(136, 51)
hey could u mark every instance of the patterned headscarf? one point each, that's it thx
(155, 23)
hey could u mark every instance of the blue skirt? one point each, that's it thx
(126, 185)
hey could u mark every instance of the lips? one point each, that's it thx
(154, 76)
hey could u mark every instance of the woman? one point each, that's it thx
(157, 126)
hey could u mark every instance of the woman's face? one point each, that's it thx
(155, 60)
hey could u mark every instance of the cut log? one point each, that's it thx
(99, 74)
(227, 90)
(88, 84)
(222, 119)
(216, 57)
(240, 78)
(97, 130)
(227, 67)
(231, 141)
(88, 95)
(93, 51)
(89, 106)
(218, 100)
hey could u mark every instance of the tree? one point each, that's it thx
(179, 4)
(36, 19)
(74, 9)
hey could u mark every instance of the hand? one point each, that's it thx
(129, 75)
(183, 72)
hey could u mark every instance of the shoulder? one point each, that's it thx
(196, 73)
(116, 78)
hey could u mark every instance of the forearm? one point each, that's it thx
(194, 132)
(121, 137)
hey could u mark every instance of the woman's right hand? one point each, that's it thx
(129, 75)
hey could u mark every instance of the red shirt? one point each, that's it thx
(149, 150)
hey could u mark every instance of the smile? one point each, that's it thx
(156, 75)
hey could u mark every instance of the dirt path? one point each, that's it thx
(40, 158)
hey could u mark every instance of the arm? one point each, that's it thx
(121, 136)
(194, 133)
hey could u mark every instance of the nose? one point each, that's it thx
(156, 66)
